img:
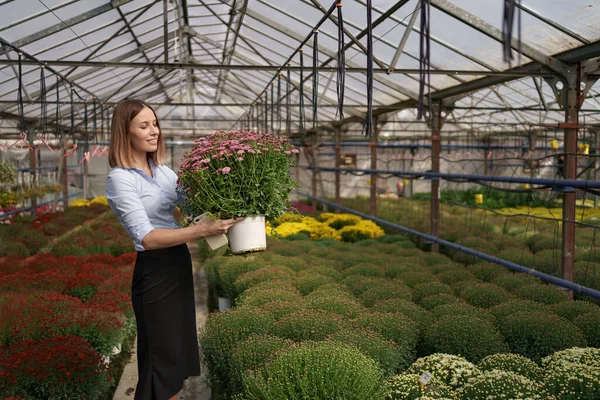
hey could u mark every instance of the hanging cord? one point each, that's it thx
(57, 115)
(288, 110)
(272, 107)
(368, 124)
(256, 114)
(95, 123)
(279, 106)
(248, 119)
(424, 58)
(507, 29)
(20, 98)
(102, 132)
(85, 124)
(301, 127)
(266, 119)
(315, 88)
(72, 116)
(341, 63)
(43, 102)
(108, 133)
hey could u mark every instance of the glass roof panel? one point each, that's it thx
(274, 29)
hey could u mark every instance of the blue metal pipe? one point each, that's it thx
(565, 183)
(510, 265)
(31, 169)
(428, 146)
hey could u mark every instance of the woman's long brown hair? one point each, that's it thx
(119, 154)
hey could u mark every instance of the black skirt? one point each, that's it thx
(165, 312)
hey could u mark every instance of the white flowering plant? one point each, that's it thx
(497, 385)
(407, 387)
(236, 174)
(512, 363)
(8, 172)
(451, 370)
(573, 374)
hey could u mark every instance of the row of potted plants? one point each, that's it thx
(343, 227)
(526, 236)
(13, 197)
(394, 303)
(64, 315)
(25, 235)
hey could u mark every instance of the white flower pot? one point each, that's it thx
(216, 241)
(248, 235)
(224, 303)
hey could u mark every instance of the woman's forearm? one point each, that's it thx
(162, 238)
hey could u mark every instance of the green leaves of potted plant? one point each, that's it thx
(238, 174)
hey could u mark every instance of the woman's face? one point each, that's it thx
(144, 132)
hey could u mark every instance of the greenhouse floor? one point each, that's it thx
(193, 388)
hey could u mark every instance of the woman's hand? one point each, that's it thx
(210, 227)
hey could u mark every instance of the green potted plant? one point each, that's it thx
(238, 174)
(8, 172)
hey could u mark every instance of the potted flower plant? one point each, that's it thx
(238, 174)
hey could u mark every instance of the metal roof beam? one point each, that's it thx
(491, 31)
(332, 55)
(95, 66)
(139, 45)
(405, 36)
(228, 52)
(347, 33)
(538, 87)
(553, 24)
(17, 76)
(585, 52)
(333, 70)
(36, 15)
(68, 23)
(109, 39)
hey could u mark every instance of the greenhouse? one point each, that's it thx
(299, 199)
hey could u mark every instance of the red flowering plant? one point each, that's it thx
(120, 281)
(236, 174)
(117, 303)
(112, 301)
(127, 258)
(24, 281)
(60, 367)
(37, 315)
(33, 315)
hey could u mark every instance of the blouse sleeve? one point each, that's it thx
(125, 202)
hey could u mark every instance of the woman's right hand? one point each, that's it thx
(211, 227)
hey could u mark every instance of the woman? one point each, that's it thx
(141, 192)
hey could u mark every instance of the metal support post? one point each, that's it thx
(59, 172)
(313, 186)
(570, 95)
(570, 172)
(596, 164)
(437, 120)
(86, 170)
(65, 181)
(486, 165)
(338, 156)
